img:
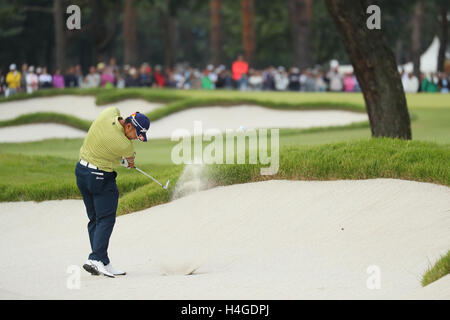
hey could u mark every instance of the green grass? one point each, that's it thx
(440, 269)
(363, 159)
(40, 178)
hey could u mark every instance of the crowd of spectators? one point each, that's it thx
(183, 76)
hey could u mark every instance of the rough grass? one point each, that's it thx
(364, 159)
(440, 269)
(40, 178)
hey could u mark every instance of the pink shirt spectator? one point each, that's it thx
(58, 81)
(349, 83)
(107, 78)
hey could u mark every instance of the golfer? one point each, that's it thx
(108, 144)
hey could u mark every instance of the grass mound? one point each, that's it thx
(363, 159)
(439, 270)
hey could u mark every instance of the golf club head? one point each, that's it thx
(167, 184)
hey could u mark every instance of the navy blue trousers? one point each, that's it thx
(100, 196)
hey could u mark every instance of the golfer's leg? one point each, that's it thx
(105, 204)
(82, 175)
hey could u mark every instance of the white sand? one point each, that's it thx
(266, 240)
(79, 106)
(222, 118)
(251, 117)
(36, 132)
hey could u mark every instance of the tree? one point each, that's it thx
(300, 15)
(443, 35)
(60, 40)
(129, 31)
(248, 31)
(416, 37)
(216, 29)
(375, 68)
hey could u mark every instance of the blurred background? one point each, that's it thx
(285, 44)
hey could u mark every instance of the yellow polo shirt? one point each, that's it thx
(105, 143)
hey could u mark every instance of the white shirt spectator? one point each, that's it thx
(32, 82)
(411, 83)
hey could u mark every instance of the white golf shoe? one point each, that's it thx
(114, 271)
(96, 268)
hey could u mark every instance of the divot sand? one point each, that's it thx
(265, 240)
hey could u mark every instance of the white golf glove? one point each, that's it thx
(124, 163)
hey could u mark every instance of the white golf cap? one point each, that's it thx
(12, 66)
(31, 69)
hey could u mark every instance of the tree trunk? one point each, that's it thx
(375, 68)
(443, 38)
(60, 41)
(169, 24)
(300, 15)
(129, 33)
(416, 37)
(216, 29)
(248, 31)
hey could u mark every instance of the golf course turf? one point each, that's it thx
(44, 170)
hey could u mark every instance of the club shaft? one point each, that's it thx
(149, 176)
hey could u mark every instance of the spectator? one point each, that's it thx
(349, 82)
(206, 81)
(335, 80)
(145, 79)
(70, 79)
(2, 82)
(427, 84)
(411, 83)
(78, 73)
(320, 84)
(13, 80)
(255, 81)
(58, 80)
(281, 79)
(269, 79)
(310, 81)
(92, 79)
(294, 79)
(31, 80)
(212, 75)
(120, 80)
(239, 70)
(23, 78)
(132, 78)
(45, 79)
(107, 78)
(160, 78)
(113, 66)
(444, 83)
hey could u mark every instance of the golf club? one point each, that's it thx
(164, 187)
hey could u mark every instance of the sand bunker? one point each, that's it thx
(36, 132)
(222, 118)
(251, 117)
(79, 106)
(266, 240)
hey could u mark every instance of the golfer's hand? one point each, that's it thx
(130, 161)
